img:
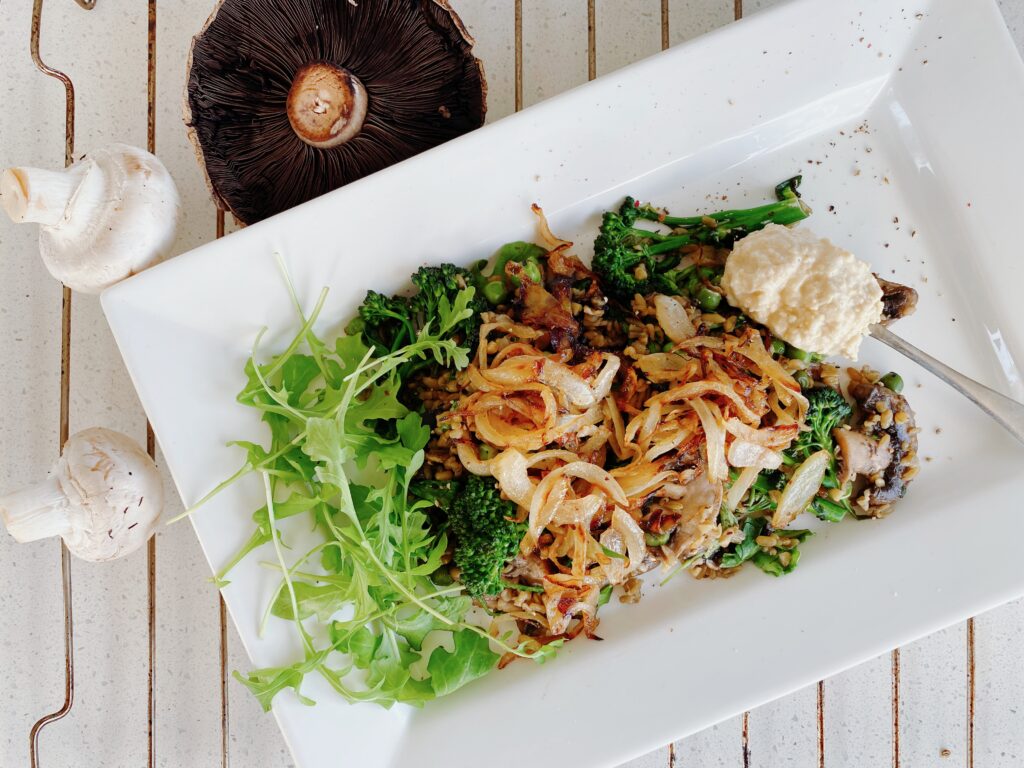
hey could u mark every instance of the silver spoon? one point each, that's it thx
(1008, 413)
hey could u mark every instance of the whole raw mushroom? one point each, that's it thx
(103, 496)
(102, 219)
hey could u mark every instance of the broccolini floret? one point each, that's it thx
(631, 260)
(485, 536)
(390, 322)
(826, 411)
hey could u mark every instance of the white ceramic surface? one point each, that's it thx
(921, 185)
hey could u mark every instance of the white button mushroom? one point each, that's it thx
(104, 497)
(108, 216)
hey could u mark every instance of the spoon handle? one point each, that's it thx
(1008, 413)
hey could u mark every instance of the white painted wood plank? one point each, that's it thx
(31, 644)
(784, 733)
(690, 18)
(999, 685)
(933, 698)
(492, 25)
(720, 746)
(626, 31)
(858, 715)
(554, 47)
(110, 640)
(188, 635)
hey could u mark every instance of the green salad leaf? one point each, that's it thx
(332, 411)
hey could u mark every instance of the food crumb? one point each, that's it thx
(928, 459)
(913, 233)
(945, 752)
(938, 430)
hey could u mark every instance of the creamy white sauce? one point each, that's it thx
(805, 289)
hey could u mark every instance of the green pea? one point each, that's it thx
(893, 381)
(778, 346)
(708, 300)
(803, 378)
(532, 269)
(495, 292)
(795, 353)
(668, 346)
(657, 539)
(486, 452)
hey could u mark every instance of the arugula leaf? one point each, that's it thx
(329, 410)
(471, 658)
(747, 548)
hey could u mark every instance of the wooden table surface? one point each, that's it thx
(955, 698)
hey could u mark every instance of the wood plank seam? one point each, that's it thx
(150, 437)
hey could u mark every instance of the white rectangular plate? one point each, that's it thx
(906, 123)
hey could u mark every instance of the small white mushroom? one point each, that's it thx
(104, 497)
(108, 216)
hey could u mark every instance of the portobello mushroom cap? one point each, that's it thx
(289, 99)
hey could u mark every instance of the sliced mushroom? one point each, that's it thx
(860, 455)
(697, 507)
(897, 300)
(289, 99)
(888, 419)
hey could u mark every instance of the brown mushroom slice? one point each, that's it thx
(289, 99)
(889, 419)
(898, 300)
(860, 455)
(697, 506)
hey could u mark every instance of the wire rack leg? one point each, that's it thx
(65, 389)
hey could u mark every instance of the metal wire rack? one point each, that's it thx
(65, 388)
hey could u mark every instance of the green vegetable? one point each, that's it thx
(496, 284)
(332, 411)
(826, 411)
(708, 300)
(631, 260)
(772, 564)
(657, 539)
(612, 553)
(390, 323)
(605, 595)
(742, 551)
(803, 378)
(778, 347)
(893, 381)
(485, 536)
(795, 353)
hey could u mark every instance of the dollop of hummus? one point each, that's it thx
(805, 289)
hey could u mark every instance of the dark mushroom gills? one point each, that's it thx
(290, 99)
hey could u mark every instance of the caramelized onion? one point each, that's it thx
(740, 487)
(714, 436)
(801, 489)
(673, 319)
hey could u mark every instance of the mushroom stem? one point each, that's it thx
(36, 512)
(38, 195)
